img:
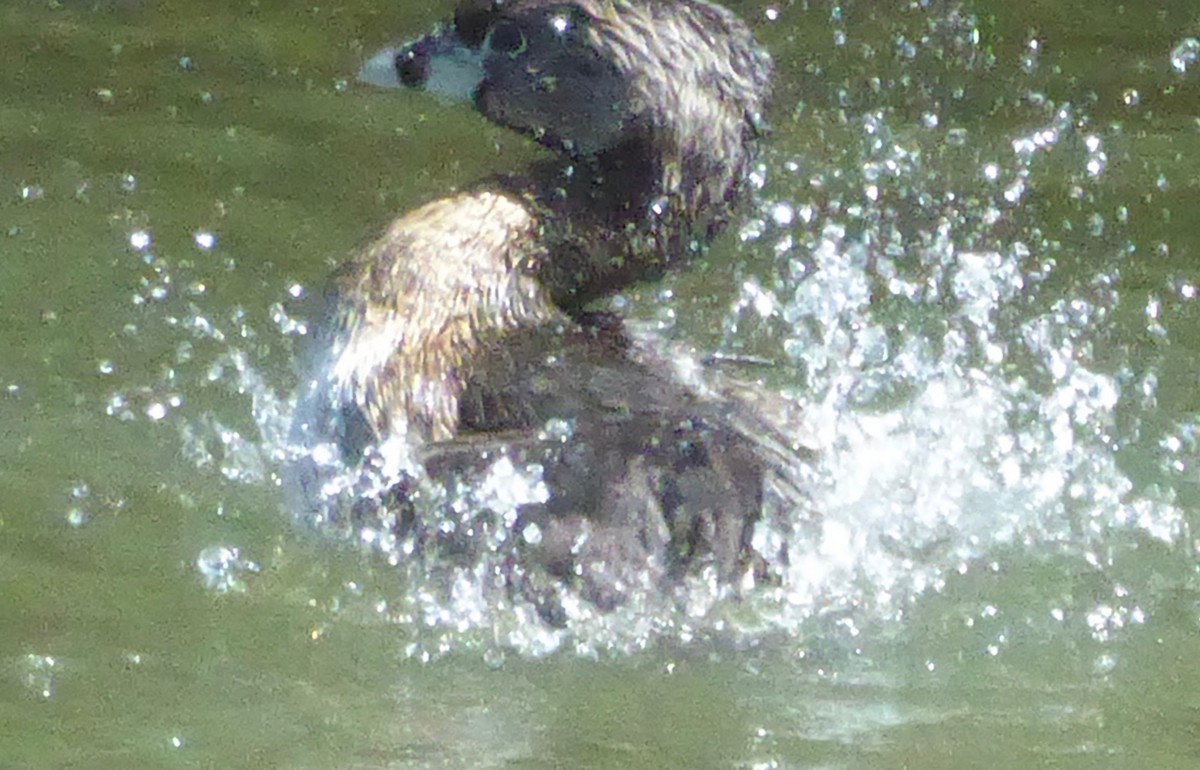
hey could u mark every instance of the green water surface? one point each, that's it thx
(241, 120)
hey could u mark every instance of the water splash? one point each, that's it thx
(960, 405)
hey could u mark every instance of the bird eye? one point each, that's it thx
(507, 38)
(412, 67)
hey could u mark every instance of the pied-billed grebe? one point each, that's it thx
(459, 335)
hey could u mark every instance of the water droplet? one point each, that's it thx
(222, 569)
(38, 674)
(1185, 54)
(139, 240)
(204, 240)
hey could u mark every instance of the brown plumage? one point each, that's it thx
(420, 305)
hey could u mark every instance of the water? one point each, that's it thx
(969, 266)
